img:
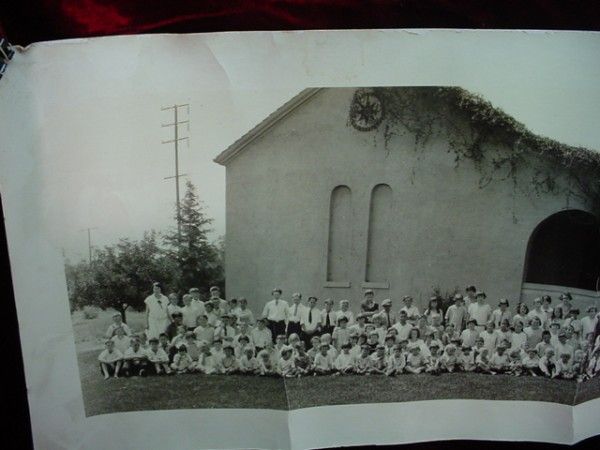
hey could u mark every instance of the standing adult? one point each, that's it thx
(220, 305)
(157, 318)
(275, 311)
(310, 322)
(294, 314)
(480, 311)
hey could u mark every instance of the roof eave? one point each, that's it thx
(238, 146)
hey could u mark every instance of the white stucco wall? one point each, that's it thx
(446, 231)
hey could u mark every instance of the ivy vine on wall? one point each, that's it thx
(473, 126)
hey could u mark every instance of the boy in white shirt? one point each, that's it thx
(217, 352)
(396, 362)
(482, 361)
(189, 312)
(110, 360)
(117, 323)
(159, 360)
(173, 306)
(341, 333)
(121, 340)
(344, 363)
(433, 365)
(379, 360)
(302, 361)
(135, 360)
(415, 362)
(243, 314)
(265, 367)
(324, 362)
(286, 367)
(589, 322)
(499, 362)
(229, 363)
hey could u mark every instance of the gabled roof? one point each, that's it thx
(234, 149)
(480, 111)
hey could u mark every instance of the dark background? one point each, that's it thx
(27, 21)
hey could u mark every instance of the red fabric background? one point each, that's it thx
(27, 21)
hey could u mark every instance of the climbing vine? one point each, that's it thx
(473, 126)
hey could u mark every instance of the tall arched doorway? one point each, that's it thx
(564, 251)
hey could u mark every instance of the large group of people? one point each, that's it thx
(463, 333)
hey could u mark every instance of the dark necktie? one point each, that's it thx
(327, 321)
(388, 319)
(310, 315)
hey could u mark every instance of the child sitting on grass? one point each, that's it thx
(323, 364)
(206, 363)
(378, 366)
(563, 368)
(546, 363)
(515, 363)
(499, 362)
(135, 361)
(158, 359)
(449, 360)
(362, 364)
(466, 359)
(229, 363)
(396, 362)
(344, 363)
(531, 363)
(110, 360)
(302, 361)
(248, 363)
(286, 367)
(182, 363)
(415, 361)
(433, 365)
(482, 362)
(265, 364)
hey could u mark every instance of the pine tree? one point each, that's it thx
(196, 257)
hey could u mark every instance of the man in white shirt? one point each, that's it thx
(412, 312)
(189, 313)
(196, 301)
(328, 317)
(220, 305)
(157, 318)
(275, 311)
(310, 321)
(294, 315)
(480, 311)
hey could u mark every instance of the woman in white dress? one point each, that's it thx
(157, 318)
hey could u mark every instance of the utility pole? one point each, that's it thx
(89, 235)
(175, 124)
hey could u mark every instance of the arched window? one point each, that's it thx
(378, 245)
(340, 235)
(564, 250)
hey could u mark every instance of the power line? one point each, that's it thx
(175, 124)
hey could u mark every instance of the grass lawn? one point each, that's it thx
(588, 390)
(200, 391)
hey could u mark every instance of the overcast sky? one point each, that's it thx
(101, 137)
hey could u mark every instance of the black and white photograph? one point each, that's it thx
(381, 244)
(221, 244)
